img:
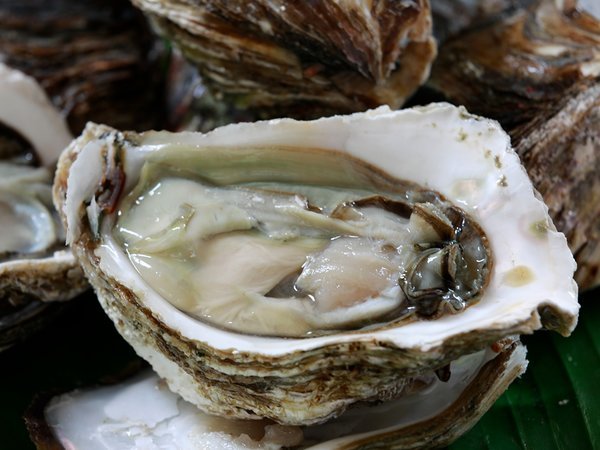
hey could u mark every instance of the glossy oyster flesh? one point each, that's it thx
(35, 266)
(304, 59)
(141, 409)
(390, 265)
(276, 241)
(537, 71)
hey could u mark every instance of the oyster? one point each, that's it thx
(537, 71)
(34, 263)
(141, 409)
(306, 59)
(95, 60)
(390, 264)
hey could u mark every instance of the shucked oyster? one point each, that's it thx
(35, 266)
(308, 59)
(381, 245)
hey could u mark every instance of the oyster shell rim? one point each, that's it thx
(228, 374)
(525, 323)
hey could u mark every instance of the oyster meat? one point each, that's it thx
(35, 266)
(304, 59)
(537, 71)
(287, 270)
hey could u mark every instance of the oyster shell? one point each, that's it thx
(450, 17)
(142, 409)
(35, 265)
(95, 60)
(537, 71)
(308, 380)
(306, 59)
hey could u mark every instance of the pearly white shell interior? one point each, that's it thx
(466, 158)
(25, 107)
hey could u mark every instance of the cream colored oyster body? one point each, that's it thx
(464, 159)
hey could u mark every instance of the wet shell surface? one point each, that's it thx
(480, 261)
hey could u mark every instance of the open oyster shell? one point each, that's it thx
(459, 162)
(141, 410)
(304, 59)
(35, 265)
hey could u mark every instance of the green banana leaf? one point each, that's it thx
(555, 405)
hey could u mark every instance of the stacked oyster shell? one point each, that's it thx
(300, 59)
(457, 165)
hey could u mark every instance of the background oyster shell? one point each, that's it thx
(96, 60)
(63, 63)
(45, 270)
(537, 71)
(303, 59)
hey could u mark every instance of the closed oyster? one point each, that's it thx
(450, 17)
(35, 266)
(95, 60)
(307, 59)
(290, 269)
(537, 71)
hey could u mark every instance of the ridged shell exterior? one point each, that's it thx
(303, 59)
(94, 59)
